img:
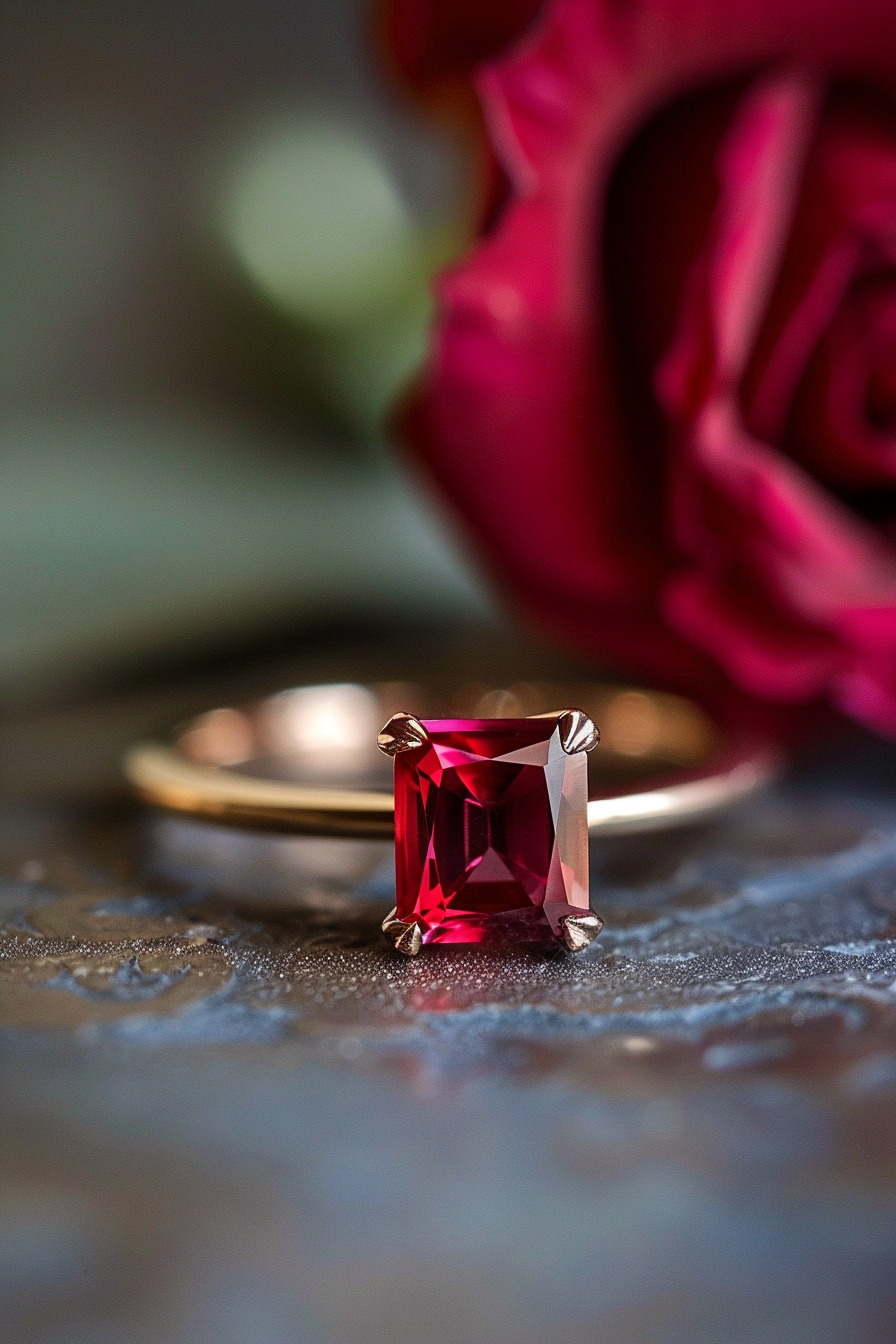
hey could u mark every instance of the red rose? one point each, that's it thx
(663, 388)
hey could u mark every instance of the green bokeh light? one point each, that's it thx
(317, 224)
(313, 219)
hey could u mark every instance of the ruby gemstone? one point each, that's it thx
(491, 832)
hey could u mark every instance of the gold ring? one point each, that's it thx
(305, 762)
(494, 797)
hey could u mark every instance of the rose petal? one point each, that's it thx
(521, 421)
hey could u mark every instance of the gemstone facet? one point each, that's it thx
(491, 832)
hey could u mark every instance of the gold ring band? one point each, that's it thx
(304, 761)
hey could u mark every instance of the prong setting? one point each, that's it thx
(402, 733)
(406, 936)
(410, 941)
(577, 731)
(579, 931)
(392, 925)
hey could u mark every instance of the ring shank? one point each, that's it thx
(652, 789)
(161, 777)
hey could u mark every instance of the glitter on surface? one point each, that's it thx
(217, 1074)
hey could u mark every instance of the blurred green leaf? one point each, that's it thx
(317, 227)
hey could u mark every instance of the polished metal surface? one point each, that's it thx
(580, 931)
(404, 934)
(577, 732)
(402, 733)
(305, 761)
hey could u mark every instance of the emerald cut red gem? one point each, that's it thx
(491, 832)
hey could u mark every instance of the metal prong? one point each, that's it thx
(402, 733)
(409, 941)
(580, 930)
(406, 937)
(577, 731)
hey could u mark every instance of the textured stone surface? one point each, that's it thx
(491, 832)
(229, 1112)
